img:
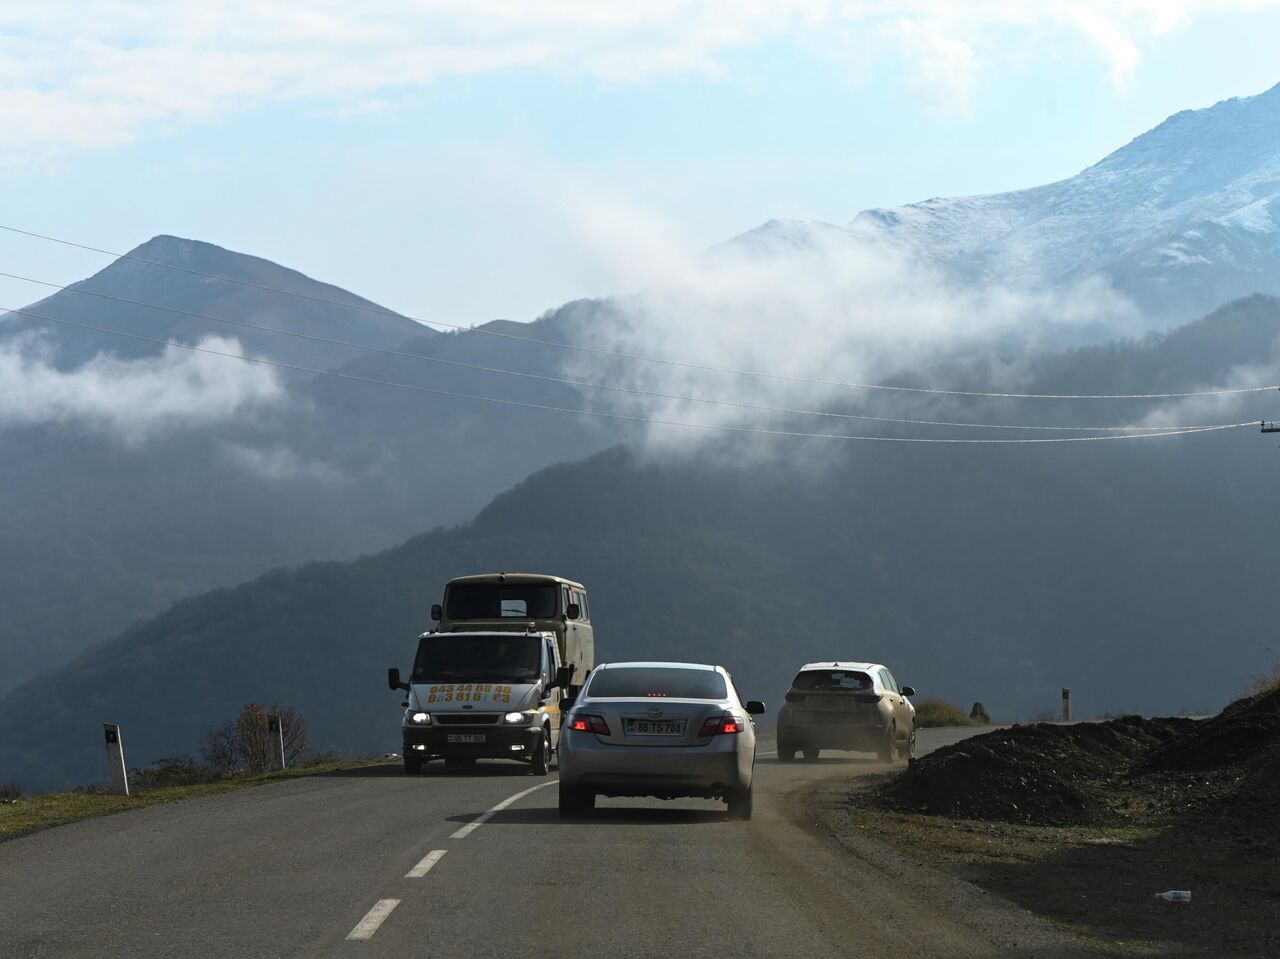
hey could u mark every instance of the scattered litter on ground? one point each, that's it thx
(1175, 895)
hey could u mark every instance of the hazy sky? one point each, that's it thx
(469, 159)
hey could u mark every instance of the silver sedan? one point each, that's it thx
(658, 729)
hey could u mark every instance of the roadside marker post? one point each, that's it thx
(275, 732)
(1066, 704)
(116, 772)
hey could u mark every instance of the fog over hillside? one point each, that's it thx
(137, 473)
(992, 573)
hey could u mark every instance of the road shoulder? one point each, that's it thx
(824, 809)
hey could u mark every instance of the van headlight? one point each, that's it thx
(419, 719)
(519, 719)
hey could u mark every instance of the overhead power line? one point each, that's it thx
(584, 384)
(639, 357)
(622, 417)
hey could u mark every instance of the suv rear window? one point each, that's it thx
(662, 682)
(818, 680)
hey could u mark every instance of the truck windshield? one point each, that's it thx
(501, 600)
(490, 659)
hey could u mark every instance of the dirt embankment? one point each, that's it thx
(1085, 823)
(1042, 774)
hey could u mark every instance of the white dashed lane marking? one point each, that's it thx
(485, 816)
(424, 867)
(374, 918)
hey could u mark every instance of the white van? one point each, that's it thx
(488, 681)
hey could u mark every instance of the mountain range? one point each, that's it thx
(992, 572)
(998, 575)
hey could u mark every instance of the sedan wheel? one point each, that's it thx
(575, 801)
(786, 751)
(739, 801)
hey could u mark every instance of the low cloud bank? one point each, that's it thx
(813, 302)
(134, 399)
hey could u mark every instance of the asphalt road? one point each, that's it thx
(374, 863)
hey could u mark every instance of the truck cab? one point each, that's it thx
(482, 695)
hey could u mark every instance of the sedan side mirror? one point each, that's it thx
(393, 680)
(908, 690)
(754, 707)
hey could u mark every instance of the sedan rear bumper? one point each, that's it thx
(663, 771)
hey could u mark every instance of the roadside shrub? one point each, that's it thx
(243, 743)
(172, 771)
(10, 792)
(939, 712)
(1266, 683)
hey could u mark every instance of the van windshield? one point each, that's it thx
(502, 600)
(491, 659)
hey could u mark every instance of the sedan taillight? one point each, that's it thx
(722, 725)
(590, 723)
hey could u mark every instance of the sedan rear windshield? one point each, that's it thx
(835, 680)
(661, 682)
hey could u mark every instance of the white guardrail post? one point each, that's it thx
(116, 772)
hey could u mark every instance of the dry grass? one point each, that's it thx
(22, 816)
(1266, 682)
(939, 712)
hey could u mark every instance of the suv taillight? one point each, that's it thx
(589, 723)
(726, 724)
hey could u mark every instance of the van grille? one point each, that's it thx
(466, 719)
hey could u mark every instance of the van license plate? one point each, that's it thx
(653, 727)
(464, 738)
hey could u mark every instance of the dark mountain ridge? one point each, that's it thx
(981, 573)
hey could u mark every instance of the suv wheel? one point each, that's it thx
(888, 750)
